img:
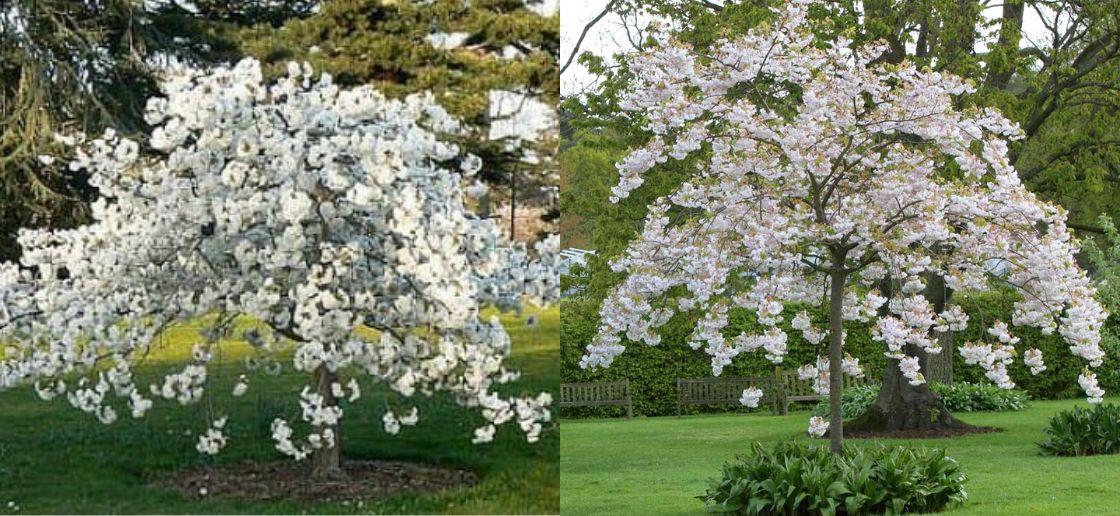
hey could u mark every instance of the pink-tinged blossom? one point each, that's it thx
(850, 366)
(1088, 381)
(911, 370)
(818, 426)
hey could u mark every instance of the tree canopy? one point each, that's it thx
(312, 208)
(815, 170)
(1061, 88)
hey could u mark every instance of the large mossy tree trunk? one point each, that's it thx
(326, 462)
(901, 406)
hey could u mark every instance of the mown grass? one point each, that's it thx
(55, 459)
(659, 465)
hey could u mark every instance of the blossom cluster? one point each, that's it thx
(214, 439)
(314, 209)
(816, 164)
(751, 397)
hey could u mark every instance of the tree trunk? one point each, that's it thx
(941, 365)
(901, 406)
(839, 277)
(327, 462)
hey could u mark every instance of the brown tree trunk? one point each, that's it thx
(1010, 32)
(326, 462)
(940, 366)
(839, 277)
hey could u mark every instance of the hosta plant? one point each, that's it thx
(796, 478)
(856, 401)
(1081, 431)
(980, 397)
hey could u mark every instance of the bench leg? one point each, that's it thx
(629, 409)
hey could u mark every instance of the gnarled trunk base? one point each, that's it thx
(908, 408)
(901, 406)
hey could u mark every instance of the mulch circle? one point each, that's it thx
(364, 480)
(921, 433)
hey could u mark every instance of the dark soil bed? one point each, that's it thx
(920, 433)
(288, 480)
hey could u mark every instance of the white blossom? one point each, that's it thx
(751, 396)
(1033, 358)
(818, 426)
(1088, 381)
(483, 434)
(213, 440)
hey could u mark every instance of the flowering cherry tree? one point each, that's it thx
(821, 175)
(310, 208)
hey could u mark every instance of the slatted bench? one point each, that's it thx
(595, 394)
(795, 389)
(723, 390)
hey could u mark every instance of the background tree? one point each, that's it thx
(484, 61)
(89, 66)
(818, 170)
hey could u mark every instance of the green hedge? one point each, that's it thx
(653, 371)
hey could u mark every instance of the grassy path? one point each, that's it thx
(658, 465)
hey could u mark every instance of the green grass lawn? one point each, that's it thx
(56, 459)
(658, 465)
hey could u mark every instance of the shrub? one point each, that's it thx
(1081, 431)
(957, 397)
(796, 478)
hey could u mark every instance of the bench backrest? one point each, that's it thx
(595, 393)
(722, 389)
(796, 387)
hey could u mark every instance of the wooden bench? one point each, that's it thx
(721, 390)
(794, 389)
(595, 394)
